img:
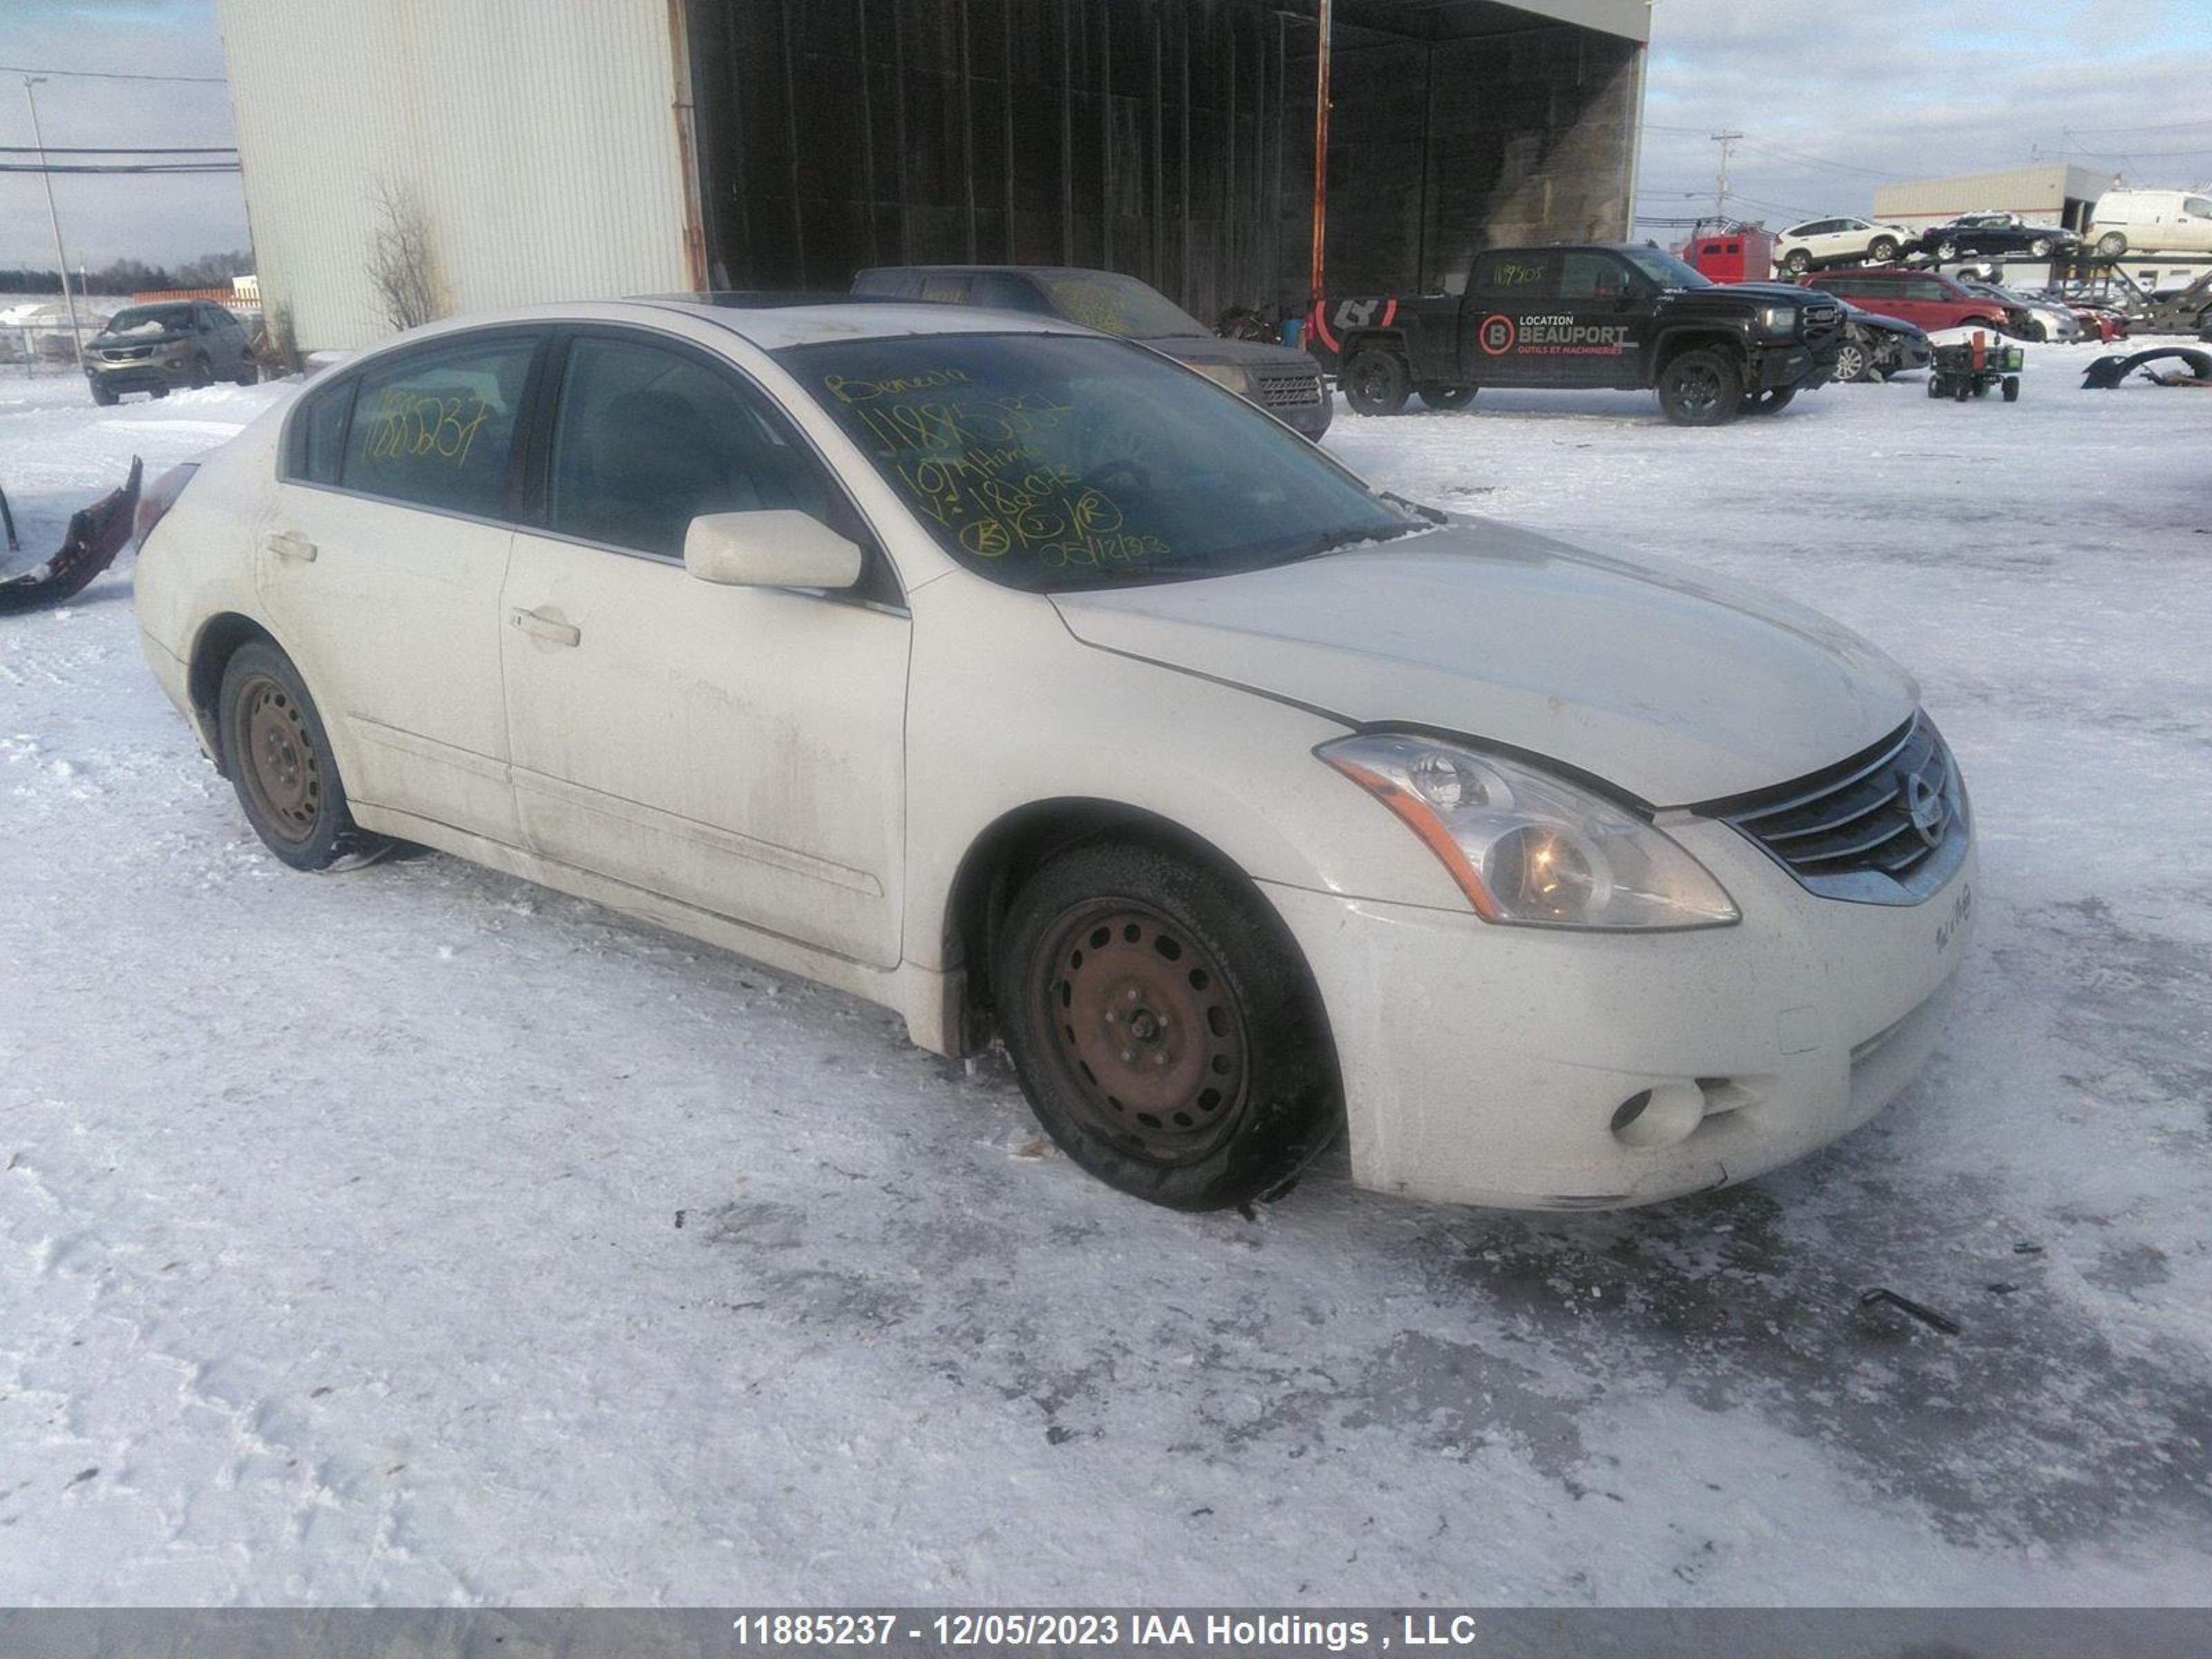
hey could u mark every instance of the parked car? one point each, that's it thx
(1876, 347)
(1287, 383)
(177, 343)
(1927, 299)
(2047, 319)
(1577, 315)
(2151, 221)
(1999, 235)
(1017, 678)
(1820, 242)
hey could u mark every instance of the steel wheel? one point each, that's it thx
(1152, 1043)
(277, 758)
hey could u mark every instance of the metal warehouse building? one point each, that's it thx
(614, 147)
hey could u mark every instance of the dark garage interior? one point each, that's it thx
(1170, 139)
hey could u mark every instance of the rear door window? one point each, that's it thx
(1530, 275)
(435, 428)
(947, 290)
(317, 446)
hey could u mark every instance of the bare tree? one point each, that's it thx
(401, 267)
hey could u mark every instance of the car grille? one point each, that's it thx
(1824, 326)
(1888, 826)
(128, 354)
(1290, 389)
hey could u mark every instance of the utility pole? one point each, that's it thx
(1720, 190)
(53, 216)
(1321, 157)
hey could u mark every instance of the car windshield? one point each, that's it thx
(1664, 269)
(1118, 305)
(150, 319)
(1051, 463)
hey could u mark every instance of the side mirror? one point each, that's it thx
(775, 548)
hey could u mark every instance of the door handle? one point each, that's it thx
(540, 625)
(290, 544)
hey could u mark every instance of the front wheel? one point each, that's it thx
(2012, 388)
(1702, 387)
(1376, 382)
(1162, 1027)
(103, 395)
(203, 371)
(1851, 362)
(1882, 249)
(249, 374)
(1946, 250)
(1446, 396)
(280, 762)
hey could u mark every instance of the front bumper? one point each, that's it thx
(146, 374)
(1308, 420)
(1797, 366)
(1486, 1065)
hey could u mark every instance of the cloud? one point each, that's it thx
(117, 216)
(1835, 100)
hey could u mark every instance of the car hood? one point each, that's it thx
(111, 342)
(1246, 353)
(1673, 686)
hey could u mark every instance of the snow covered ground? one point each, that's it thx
(414, 1235)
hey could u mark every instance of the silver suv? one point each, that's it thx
(174, 343)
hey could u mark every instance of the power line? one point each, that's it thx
(132, 149)
(1797, 158)
(115, 74)
(117, 168)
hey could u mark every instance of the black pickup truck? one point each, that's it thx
(1584, 315)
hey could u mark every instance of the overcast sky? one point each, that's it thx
(1831, 100)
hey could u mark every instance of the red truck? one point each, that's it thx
(1742, 255)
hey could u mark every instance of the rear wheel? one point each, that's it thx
(1771, 402)
(1934, 386)
(1798, 262)
(2041, 246)
(2112, 244)
(1162, 1027)
(1850, 362)
(280, 762)
(1376, 382)
(1446, 396)
(250, 373)
(2012, 388)
(1702, 387)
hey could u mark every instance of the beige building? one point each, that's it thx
(2043, 192)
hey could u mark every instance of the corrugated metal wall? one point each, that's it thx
(540, 138)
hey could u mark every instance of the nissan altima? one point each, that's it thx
(1019, 679)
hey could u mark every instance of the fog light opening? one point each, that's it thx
(1664, 1114)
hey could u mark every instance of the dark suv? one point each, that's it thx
(174, 343)
(1286, 384)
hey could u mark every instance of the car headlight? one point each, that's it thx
(1778, 319)
(1228, 376)
(1530, 849)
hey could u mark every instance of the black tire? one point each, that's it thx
(280, 762)
(1965, 390)
(1798, 262)
(1229, 1075)
(2012, 388)
(105, 396)
(158, 391)
(1445, 396)
(1771, 402)
(2112, 244)
(250, 374)
(203, 371)
(1377, 381)
(1702, 387)
(2041, 248)
(1882, 249)
(1852, 361)
(1946, 250)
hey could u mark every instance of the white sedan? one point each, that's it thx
(1028, 684)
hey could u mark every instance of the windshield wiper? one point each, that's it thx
(1335, 540)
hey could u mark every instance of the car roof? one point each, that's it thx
(775, 321)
